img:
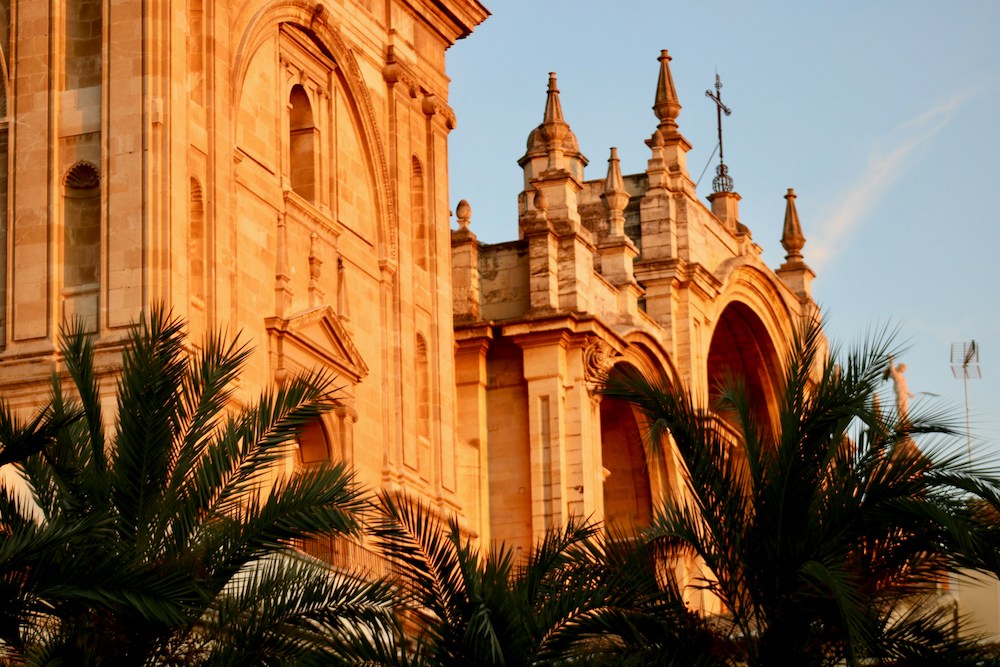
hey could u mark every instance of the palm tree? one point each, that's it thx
(165, 535)
(579, 597)
(825, 533)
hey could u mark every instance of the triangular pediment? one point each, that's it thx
(315, 338)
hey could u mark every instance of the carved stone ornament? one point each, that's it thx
(598, 359)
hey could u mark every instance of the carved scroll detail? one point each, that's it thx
(598, 359)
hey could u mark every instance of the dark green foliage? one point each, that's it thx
(821, 528)
(167, 539)
(577, 598)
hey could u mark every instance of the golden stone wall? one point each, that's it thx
(619, 274)
(279, 168)
(270, 167)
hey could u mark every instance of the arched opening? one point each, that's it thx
(423, 408)
(314, 447)
(628, 503)
(196, 243)
(197, 259)
(420, 235)
(82, 46)
(81, 242)
(302, 144)
(423, 390)
(742, 350)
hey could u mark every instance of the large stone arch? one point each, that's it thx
(647, 354)
(313, 19)
(746, 280)
(638, 476)
(753, 328)
(741, 350)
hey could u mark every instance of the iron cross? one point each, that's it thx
(722, 182)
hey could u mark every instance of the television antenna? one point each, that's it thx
(965, 365)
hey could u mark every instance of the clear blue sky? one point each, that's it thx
(882, 115)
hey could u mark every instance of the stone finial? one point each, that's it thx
(553, 108)
(316, 293)
(614, 182)
(665, 106)
(464, 214)
(792, 238)
(315, 263)
(343, 292)
(554, 127)
(614, 196)
(552, 146)
(794, 272)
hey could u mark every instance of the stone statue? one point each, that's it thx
(903, 394)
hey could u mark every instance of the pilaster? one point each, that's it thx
(543, 255)
(545, 374)
(472, 426)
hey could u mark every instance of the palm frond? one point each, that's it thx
(284, 608)
(77, 348)
(154, 363)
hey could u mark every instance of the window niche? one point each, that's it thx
(423, 409)
(81, 243)
(306, 71)
(303, 142)
(423, 391)
(197, 258)
(418, 214)
(314, 446)
(82, 45)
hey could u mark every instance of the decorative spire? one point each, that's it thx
(614, 182)
(665, 106)
(792, 238)
(553, 109)
(614, 196)
(552, 146)
(553, 127)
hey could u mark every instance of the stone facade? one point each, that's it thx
(620, 274)
(279, 168)
(271, 167)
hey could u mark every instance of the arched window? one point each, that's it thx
(196, 243)
(82, 240)
(313, 444)
(83, 43)
(423, 391)
(302, 144)
(419, 215)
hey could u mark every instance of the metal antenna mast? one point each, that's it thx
(965, 364)
(722, 182)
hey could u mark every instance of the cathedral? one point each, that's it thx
(279, 168)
